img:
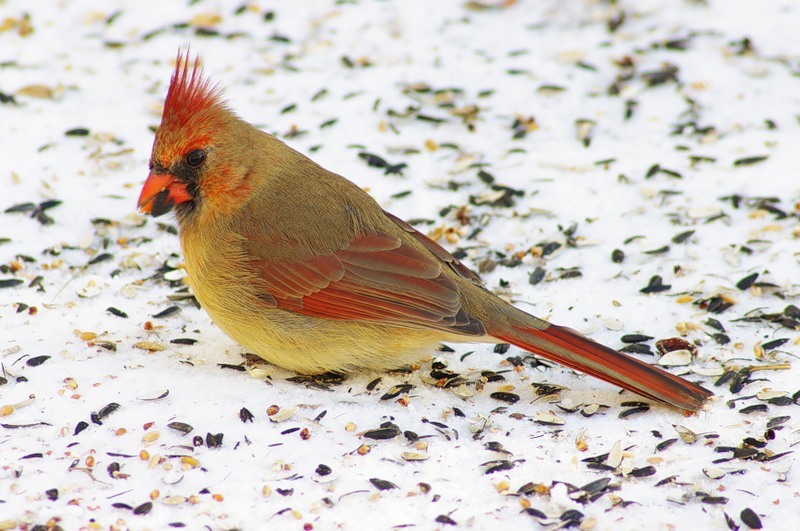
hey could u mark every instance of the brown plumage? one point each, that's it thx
(305, 269)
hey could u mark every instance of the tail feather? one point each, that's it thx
(569, 348)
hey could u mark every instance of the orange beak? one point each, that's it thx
(160, 194)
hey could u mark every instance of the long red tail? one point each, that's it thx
(569, 348)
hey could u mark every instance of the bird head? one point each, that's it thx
(191, 158)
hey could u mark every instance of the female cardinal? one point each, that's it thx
(302, 267)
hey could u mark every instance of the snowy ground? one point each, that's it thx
(663, 134)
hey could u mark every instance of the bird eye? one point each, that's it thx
(195, 158)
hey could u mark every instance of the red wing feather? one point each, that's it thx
(376, 278)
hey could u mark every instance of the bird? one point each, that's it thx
(306, 270)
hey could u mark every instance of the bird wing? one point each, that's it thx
(377, 278)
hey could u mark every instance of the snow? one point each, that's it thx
(105, 66)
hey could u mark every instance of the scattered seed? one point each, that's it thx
(656, 285)
(445, 519)
(643, 471)
(548, 418)
(682, 237)
(245, 415)
(675, 358)
(757, 408)
(180, 427)
(149, 346)
(154, 395)
(536, 276)
(747, 161)
(36, 361)
(107, 410)
(498, 465)
(183, 341)
(686, 435)
(637, 348)
(663, 445)
(750, 518)
(396, 391)
(635, 338)
(383, 433)
(382, 484)
(77, 131)
(117, 312)
(167, 312)
(144, 508)
(634, 411)
(510, 398)
(284, 413)
(771, 345)
(747, 281)
(214, 440)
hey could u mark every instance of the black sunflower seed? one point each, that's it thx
(781, 401)
(775, 343)
(663, 445)
(757, 408)
(536, 513)
(747, 281)
(144, 508)
(634, 411)
(666, 481)
(498, 465)
(750, 518)
(501, 348)
(643, 471)
(374, 383)
(777, 421)
(536, 276)
(637, 348)
(117, 312)
(396, 391)
(80, 426)
(509, 398)
(245, 415)
(444, 519)
(682, 237)
(714, 500)
(596, 486)
(383, 433)
(382, 484)
(746, 161)
(102, 257)
(181, 427)
(655, 285)
(98, 417)
(36, 361)
(635, 338)
(571, 515)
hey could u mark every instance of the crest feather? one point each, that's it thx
(190, 93)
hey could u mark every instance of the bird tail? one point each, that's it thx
(568, 347)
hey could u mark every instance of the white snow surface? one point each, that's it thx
(335, 79)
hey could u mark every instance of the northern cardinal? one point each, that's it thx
(302, 267)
